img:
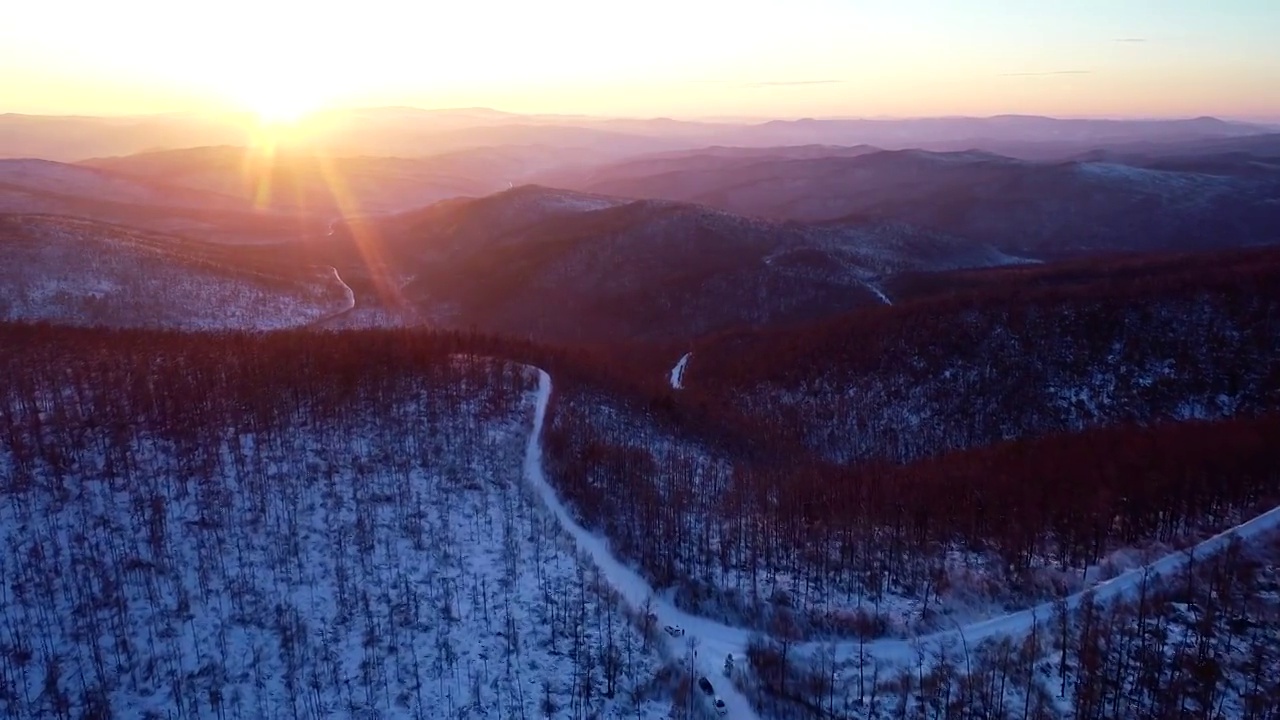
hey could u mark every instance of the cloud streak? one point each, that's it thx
(1131, 40)
(791, 83)
(1044, 74)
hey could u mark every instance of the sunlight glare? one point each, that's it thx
(283, 102)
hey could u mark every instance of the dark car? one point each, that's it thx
(705, 684)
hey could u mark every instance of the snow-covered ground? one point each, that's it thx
(86, 274)
(1123, 586)
(677, 372)
(715, 640)
(376, 560)
(709, 640)
(348, 302)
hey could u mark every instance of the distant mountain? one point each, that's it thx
(1263, 145)
(52, 180)
(414, 132)
(328, 186)
(156, 204)
(716, 159)
(978, 357)
(1021, 207)
(577, 267)
(71, 138)
(900, 133)
(76, 272)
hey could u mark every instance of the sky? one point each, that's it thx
(679, 58)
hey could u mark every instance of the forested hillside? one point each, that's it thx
(1013, 353)
(970, 452)
(291, 525)
(78, 272)
(1204, 642)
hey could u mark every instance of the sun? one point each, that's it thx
(281, 111)
(281, 100)
(282, 105)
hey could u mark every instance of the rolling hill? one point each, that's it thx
(1031, 208)
(979, 357)
(574, 267)
(322, 184)
(76, 272)
(156, 203)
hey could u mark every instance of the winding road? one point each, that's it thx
(348, 303)
(677, 372)
(714, 640)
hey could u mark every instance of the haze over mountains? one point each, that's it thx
(411, 132)
(403, 413)
(1042, 208)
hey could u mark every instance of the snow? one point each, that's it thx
(1125, 585)
(715, 640)
(68, 271)
(1152, 180)
(388, 553)
(879, 293)
(349, 296)
(677, 372)
(709, 640)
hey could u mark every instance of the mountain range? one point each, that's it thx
(412, 132)
(465, 413)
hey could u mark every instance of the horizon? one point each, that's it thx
(643, 117)
(812, 58)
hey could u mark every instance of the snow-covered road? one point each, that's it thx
(677, 372)
(1125, 585)
(715, 640)
(878, 292)
(348, 302)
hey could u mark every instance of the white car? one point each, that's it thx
(673, 630)
(720, 707)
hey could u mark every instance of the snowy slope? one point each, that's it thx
(712, 640)
(80, 273)
(1123, 586)
(381, 559)
(715, 640)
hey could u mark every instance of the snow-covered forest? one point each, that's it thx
(398, 523)
(895, 472)
(74, 272)
(1201, 643)
(244, 527)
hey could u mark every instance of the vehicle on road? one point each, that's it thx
(673, 630)
(721, 709)
(705, 685)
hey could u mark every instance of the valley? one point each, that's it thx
(478, 414)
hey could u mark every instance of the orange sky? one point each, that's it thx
(711, 57)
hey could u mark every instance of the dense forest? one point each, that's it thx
(1012, 353)
(1204, 643)
(301, 523)
(886, 544)
(291, 525)
(1013, 438)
